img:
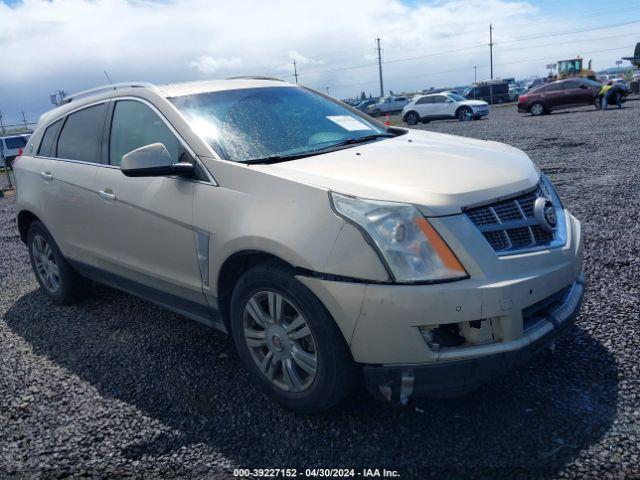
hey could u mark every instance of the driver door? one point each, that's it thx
(147, 234)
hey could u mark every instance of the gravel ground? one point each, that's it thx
(117, 387)
(6, 179)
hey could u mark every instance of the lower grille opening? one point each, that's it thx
(539, 311)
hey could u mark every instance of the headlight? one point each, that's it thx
(410, 247)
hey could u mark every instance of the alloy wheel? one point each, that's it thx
(537, 109)
(46, 266)
(280, 341)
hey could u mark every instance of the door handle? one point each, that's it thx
(46, 176)
(107, 194)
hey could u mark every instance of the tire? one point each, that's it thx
(537, 109)
(597, 102)
(376, 113)
(306, 367)
(412, 118)
(463, 113)
(59, 281)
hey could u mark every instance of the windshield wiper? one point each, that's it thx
(277, 158)
(355, 140)
(309, 153)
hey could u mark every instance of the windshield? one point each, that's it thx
(456, 97)
(259, 123)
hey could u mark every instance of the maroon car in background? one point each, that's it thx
(568, 93)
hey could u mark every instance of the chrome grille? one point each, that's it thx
(510, 225)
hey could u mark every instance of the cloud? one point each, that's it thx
(67, 44)
(209, 64)
(300, 60)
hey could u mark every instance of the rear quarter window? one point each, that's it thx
(48, 138)
(81, 135)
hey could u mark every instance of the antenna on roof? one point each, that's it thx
(108, 77)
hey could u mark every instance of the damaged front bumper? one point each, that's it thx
(396, 383)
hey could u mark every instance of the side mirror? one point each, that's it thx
(153, 161)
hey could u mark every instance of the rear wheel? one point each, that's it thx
(537, 109)
(412, 118)
(54, 274)
(288, 341)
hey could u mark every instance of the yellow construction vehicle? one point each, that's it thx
(573, 68)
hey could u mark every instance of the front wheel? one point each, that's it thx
(288, 341)
(464, 113)
(537, 109)
(597, 102)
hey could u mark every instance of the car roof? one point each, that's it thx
(434, 94)
(170, 90)
(204, 86)
(17, 135)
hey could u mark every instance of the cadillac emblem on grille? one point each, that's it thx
(545, 213)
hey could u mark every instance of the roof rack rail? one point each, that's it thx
(106, 88)
(256, 77)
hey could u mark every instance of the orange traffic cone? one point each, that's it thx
(387, 121)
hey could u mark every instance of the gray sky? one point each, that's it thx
(67, 44)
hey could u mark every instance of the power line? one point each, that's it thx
(535, 37)
(467, 48)
(461, 68)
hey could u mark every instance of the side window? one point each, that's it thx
(439, 99)
(81, 135)
(554, 87)
(135, 125)
(48, 138)
(571, 84)
(423, 100)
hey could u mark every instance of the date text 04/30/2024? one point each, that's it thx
(315, 473)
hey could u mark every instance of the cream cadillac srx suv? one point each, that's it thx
(328, 245)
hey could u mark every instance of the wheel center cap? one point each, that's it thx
(276, 341)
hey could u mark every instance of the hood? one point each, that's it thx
(476, 103)
(438, 173)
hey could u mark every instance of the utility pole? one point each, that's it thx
(380, 67)
(24, 120)
(327, 89)
(475, 73)
(491, 48)
(2, 124)
(295, 70)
